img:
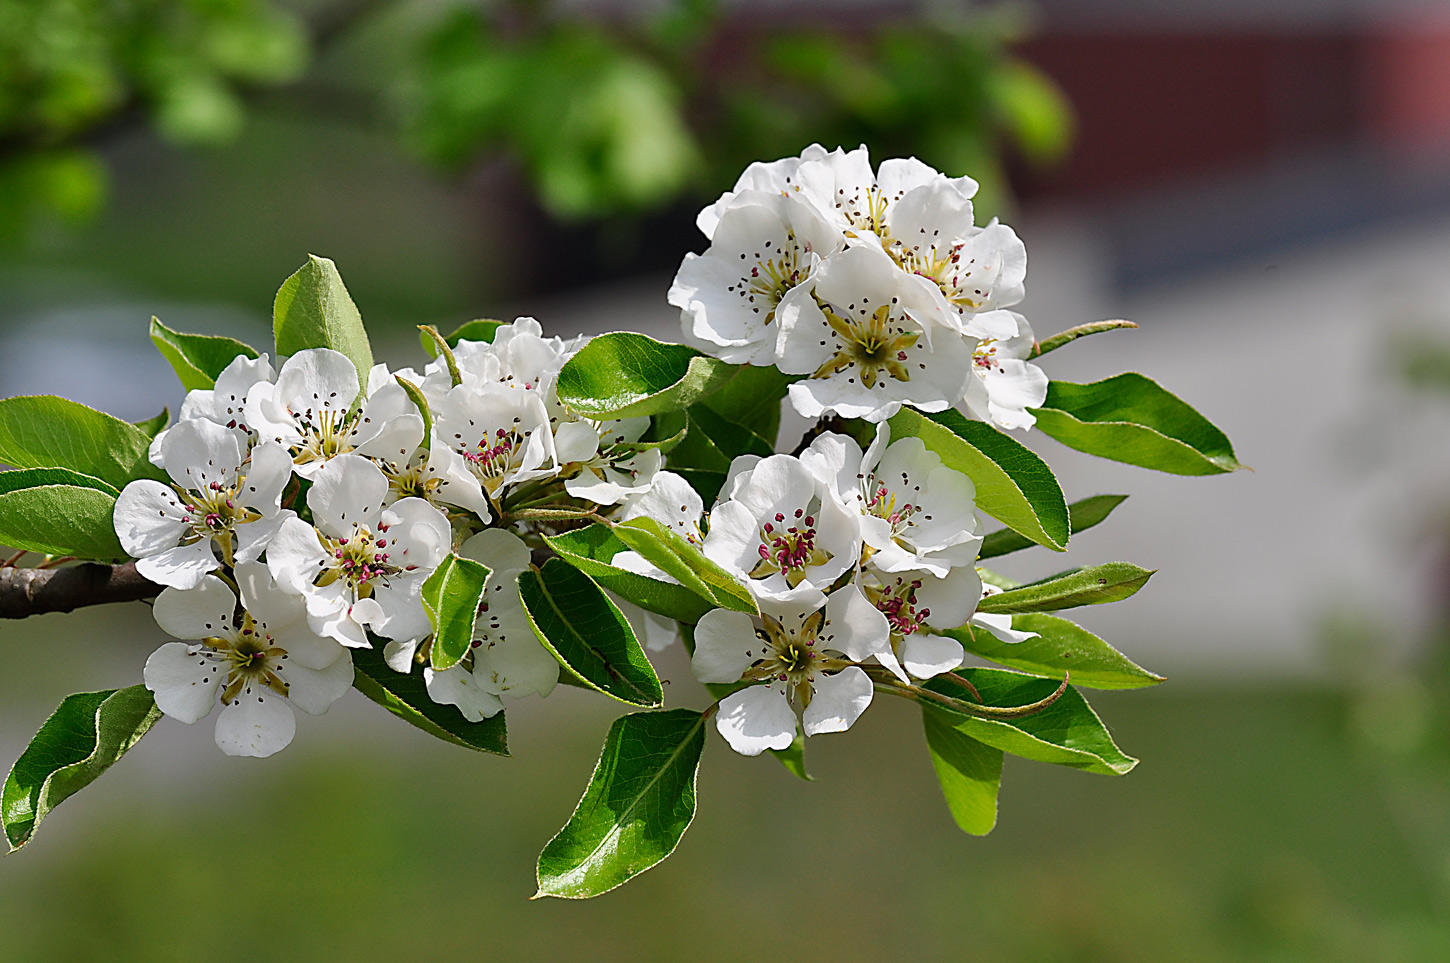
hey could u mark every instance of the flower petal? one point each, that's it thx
(756, 719)
(838, 702)
(725, 646)
(183, 682)
(257, 723)
(196, 613)
(183, 567)
(314, 690)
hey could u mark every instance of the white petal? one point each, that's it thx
(149, 518)
(756, 719)
(258, 724)
(576, 441)
(253, 538)
(346, 492)
(183, 567)
(294, 555)
(456, 687)
(313, 690)
(399, 655)
(418, 535)
(926, 655)
(1001, 627)
(838, 702)
(855, 626)
(267, 475)
(725, 646)
(262, 597)
(184, 684)
(501, 550)
(196, 613)
(200, 452)
(318, 379)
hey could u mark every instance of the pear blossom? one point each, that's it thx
(867, 344)
(224, 504)
(503, 434)
(865, 205)
(999, 624)
(916, 512)
(1006, 383)
(771, 177)
(805, 656)
(765, 246)
(310, 411)
(364, 564)
(917, 605)
(259, 662)
(783, 533)
(222, 403)
(602, 461)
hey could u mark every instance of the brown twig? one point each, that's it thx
(35, 591)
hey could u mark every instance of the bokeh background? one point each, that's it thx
(1263, 187)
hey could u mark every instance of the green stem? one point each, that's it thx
(1081, 331)
(445, 350)
(885, 682)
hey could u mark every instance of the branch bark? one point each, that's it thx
(34, 591)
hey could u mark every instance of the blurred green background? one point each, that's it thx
(181, 157)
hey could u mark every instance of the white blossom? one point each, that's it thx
(363, 565)
(783, 533)
(765, 247)
(916, 512)
(310, 411)
(222, 403)
(224, 504)
(917, 605)
(771, 177)
(867, 344)
(603, 463)
(999, 624)
(258, 663)
(1006, 383)
(502, 434)
(805, 658)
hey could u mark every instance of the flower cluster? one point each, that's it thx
(856, 560)
(304, 516)
(878, 288)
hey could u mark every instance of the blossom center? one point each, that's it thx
(898, 603)
(949, 272)
(250, 660)
(871, 344)
(496, 456)
(784, 266)
(359, 559)
(789, 547)
(326, 433)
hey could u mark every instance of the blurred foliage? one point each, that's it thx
(606, 115)
(69, 69)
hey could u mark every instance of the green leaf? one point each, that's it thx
(1066, 733)
(728, 437)
(622, 375)
(639, 802)
(793, 757)
(56, 511)
(591, 549)
(1060, 647)
(314, 310)
(578, 623)
(197, 358)
(1129, 418)
(1082, 515)
(153, 426)
(406, 696)
(1013, 485)
(1111, 582)
(415, 395)
(451, 596)
(42, 431)
(1081, 331)
(970, 772)
(751, 398)
(481, 329)
(674, 555)
(81, 740)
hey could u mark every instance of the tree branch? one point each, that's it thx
(33, 591)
